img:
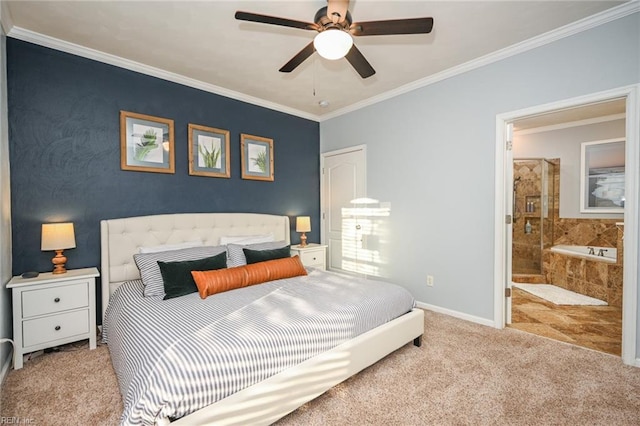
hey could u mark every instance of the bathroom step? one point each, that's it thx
(528, 278)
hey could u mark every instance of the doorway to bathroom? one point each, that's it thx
(559, 290)
(542, 213)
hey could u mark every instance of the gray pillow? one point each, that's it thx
(150, 271)
(235, 253)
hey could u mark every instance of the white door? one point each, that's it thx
(510, 218)
(343, 180)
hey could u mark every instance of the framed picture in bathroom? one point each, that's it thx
(602, 180)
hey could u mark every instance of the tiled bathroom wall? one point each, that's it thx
(590, 277)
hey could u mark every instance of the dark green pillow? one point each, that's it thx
(177, 277)
(255, 256)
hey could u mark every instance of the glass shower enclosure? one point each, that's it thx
(533, 202)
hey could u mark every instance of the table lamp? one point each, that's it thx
(303, 224)
(57, 237)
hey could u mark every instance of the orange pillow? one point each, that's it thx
(219, 280)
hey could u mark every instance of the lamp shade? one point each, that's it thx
(333, 43)
(58, 236)
(303, 224)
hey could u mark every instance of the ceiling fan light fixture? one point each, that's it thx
(333, 43)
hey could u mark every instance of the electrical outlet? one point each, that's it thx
(430, 280)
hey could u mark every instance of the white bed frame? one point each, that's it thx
(271, 399)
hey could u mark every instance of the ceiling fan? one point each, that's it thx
(335, 30)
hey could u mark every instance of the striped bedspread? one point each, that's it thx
(173, 357)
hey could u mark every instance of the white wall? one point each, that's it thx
(431, 154)
(565, 144)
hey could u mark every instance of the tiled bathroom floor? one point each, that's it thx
(594, 327)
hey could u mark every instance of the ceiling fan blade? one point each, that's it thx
(394, 26)
(359, 62)
(299, 58)
(274, 20)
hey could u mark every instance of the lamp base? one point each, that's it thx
(59, 260)
(303, 240)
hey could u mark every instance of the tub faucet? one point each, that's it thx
(591, 250)
(601, 252)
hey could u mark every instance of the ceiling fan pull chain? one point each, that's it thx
(315, 66)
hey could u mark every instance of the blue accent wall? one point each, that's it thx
(64, 142)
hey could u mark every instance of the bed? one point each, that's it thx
(255, 398)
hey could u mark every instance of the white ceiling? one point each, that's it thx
(603, 111)
(202, 45)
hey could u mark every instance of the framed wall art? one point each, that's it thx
(146, 143)
(209, 152)
(257, 157)
(602, 176)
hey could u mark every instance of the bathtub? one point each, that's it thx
(610, 255)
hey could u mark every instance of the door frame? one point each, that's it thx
(323, 207)
(631, 211)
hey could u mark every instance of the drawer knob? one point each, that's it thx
(314, 258)
(57, 299)
(57, 328)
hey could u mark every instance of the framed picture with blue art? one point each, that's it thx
(146, 143)
(209, 152)
(257, 157)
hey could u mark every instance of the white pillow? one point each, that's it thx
(246, 239)
(169, 247)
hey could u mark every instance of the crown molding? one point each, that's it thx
(584, 24)
(96, 55)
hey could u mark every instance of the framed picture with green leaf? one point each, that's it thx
(146, 143)
(209, 152)
(257, 157)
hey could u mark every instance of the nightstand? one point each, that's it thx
(51, 310)
(314, 255)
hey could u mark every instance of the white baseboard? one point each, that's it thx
(456, 314)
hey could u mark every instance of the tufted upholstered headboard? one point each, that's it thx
(121, 238)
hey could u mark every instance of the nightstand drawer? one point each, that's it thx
(55, 299)
(47, 329)
(314, 258)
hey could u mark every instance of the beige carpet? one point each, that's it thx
(464, 374)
